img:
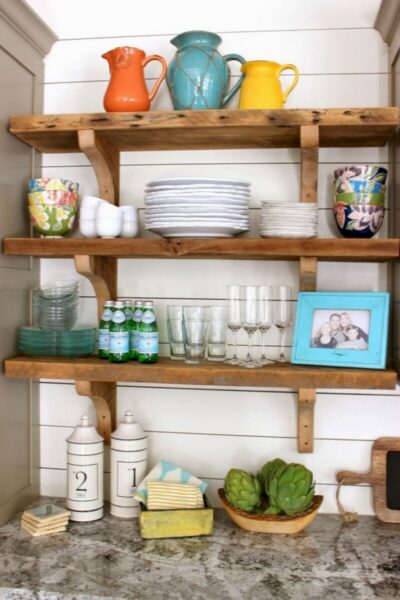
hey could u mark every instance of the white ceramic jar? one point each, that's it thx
(85, 459)
(129, 450)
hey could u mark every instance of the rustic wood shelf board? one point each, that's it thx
(173, 372)
(209, 129)
(234, 248)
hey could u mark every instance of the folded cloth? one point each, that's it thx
(164, 495)
(166, 471)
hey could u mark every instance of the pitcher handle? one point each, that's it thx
(161, 77)
(294, 82)
(237, 85)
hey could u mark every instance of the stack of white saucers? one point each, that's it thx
(289, 219)
(197, 208)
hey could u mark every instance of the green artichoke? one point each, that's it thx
(290, 490)
(242, 489)
(267, 471)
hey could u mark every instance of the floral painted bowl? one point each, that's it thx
(373, 172)
(53, 198)
(358, 220)
(53, 221)
(342, 185)
(353, 198)
(43, 185)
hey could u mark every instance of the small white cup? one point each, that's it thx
(108, 228)
(109, 211)
(88, 228)
(130, 229)
(90, 201)
(129, 213)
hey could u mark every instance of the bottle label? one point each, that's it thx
(104, 339)
(107, 314)
(137, 315)
(119, 342)
(148, 342)
(119, 316)
(148, 317)
(83, 482)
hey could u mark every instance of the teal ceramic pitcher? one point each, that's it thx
(198, 76)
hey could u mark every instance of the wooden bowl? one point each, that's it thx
(271, 523)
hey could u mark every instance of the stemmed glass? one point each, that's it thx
(234, 319)
(283, 314)
(250, 322)
(265, 318)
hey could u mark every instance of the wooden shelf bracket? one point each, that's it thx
(103, 396)
(104, 159)
(102, 274)
(306, 404)
(308, 267)
(309, 143)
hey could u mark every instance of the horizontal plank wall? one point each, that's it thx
(210, 430)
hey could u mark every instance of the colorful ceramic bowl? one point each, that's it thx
(359, 220)
(373, 172)
(53, 198)
(342, 185)
(367, 199)
(43, 185)
(52, 221)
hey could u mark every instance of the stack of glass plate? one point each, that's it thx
(55, 306)
(79, 341)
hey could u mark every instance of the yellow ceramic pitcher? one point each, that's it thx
(261, 87)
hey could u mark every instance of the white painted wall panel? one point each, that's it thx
(211, 429)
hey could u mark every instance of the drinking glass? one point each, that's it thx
(175, 332)
(265, 318)
(195, 327)
(217, 331)
(283, 314)
(250, 322)
(234, 319)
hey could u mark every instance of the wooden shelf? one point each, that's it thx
(234, 248)
(209, 129)
(174, 372)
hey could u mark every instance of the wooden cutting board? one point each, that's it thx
(384, 479)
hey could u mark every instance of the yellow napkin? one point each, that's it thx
(164, 495)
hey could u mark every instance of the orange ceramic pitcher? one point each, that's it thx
(127, 91)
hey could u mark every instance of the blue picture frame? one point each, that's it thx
(304, 350)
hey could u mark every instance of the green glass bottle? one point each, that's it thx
(119, 335)
(148, 335)
(134, 333)
(104, 328)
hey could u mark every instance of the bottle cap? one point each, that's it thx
(138, 302)
(109, 303)
(84, 433)
(128, 302)
(149, 303)
(119, 304)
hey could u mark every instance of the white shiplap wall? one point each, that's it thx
(343, 62)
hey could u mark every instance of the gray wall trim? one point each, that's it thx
(388, 19)
(28, 24)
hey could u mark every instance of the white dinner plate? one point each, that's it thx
(197, 208)
(197, 180)
(198, 188)
(197, 230)
(202, 194)
(188, 201)
(196, 217)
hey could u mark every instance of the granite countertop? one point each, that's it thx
(107, 559)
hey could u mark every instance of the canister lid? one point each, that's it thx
(128, 429)
(85, 433)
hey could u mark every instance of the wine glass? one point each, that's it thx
(250, 322)
(283, 314)
(234, 319)
(265, 318)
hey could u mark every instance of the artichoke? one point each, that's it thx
(290, 490)
(267, 471)
(242, 489)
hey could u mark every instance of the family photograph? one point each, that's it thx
(340, 329)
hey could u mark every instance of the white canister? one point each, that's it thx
(85, 459)
(129, 449)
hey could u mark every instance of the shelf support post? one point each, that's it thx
(308, 273)
(103, 396)
(104, 158)
(306, 404)
(309, 143)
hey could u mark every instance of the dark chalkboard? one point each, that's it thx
(393, 480)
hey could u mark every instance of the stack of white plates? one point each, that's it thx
(289, 219)
(201, 208)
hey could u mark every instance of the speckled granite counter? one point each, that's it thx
(108, 560)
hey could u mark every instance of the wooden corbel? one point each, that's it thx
(309, 144)
(104, 159)
(103, 396)
(308, 273)
(306, 405)
(102, 274)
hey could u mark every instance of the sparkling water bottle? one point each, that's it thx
(119, 335)
(148, 335)
(104, 328)
(134, 332)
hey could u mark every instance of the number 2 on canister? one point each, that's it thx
(84, 477)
